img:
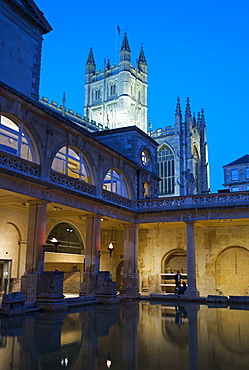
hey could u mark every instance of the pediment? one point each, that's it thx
(31, 10)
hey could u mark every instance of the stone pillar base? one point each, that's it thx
(106, 289)
(88, 287)
(192, 292)
(50, 296)
(29, 286)
(130, 285)
(52, 305)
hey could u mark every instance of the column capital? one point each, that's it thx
(190, 221)
(38, 202)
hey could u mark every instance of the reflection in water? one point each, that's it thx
(133, 336)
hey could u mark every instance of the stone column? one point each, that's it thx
(191, 265)
(130, 272)
(36, 235)
(92, 259)
(35, 254)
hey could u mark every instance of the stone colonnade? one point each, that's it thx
(130, 284)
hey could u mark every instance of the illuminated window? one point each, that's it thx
(68, 162)
(235, 175)
(15, 140)
(247, 173)
(166, 171)
(115, 183)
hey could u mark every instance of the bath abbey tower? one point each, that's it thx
(116, 97)
(114, 205)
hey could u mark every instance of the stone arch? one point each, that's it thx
(17, 139)
(231, 271)
(174, 260)
(73, 162)
(116, 181)
(69, 236)
(17, 237)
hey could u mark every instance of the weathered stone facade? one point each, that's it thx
(117, 95)
(95, 188)
(20, 49)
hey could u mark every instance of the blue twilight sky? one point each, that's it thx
(194, 48)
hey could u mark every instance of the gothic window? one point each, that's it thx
(115, 182)
(68, 162)
(196, 163)
(15, 140)
(96, 93)
(166, 171)
(112, 88)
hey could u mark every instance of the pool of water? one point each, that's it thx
(133, 336)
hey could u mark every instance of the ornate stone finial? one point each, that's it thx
(150, 124)
(202, 117)
(90, 59)
(142, 59)
(108, 66)
(198, 118)
(188, 109)
(63, 107)
(178, 108)
(125, 44)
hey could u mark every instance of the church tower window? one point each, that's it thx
(166, 171)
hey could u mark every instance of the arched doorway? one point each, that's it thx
(172, 262)
(69, 256)
(231, 271)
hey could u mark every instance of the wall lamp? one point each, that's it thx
(55, 242)
(110, 248)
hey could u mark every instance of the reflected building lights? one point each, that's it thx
(64, 361)
(108, 363)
